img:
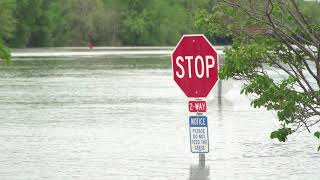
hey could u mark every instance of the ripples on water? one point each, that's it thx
(126, 119)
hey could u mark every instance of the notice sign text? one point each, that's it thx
(199, 141)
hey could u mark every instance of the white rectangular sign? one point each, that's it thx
(199, 141)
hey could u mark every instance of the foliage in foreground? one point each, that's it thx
(5, 54)
(274, 51)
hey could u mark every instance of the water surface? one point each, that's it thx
(125, 118)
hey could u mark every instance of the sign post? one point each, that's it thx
(195, 70)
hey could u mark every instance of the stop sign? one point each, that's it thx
(195, 65)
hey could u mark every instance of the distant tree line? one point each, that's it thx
(44, 23)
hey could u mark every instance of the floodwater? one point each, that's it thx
(125, 118)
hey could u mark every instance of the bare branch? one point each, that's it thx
(304, 21)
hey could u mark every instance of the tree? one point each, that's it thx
(154, 22)
(32, 27)
(170, 22)
(30, 23)
(7, 20)
(5, 54)
(7, 27)
(136, 24)
(40, 31)
(60, 22)
(108, 23)
(273, 36)
(85, 17)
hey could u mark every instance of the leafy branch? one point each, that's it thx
(277, 35)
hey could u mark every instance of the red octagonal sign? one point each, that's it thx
(195, 65)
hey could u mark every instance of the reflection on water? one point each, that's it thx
(198, 172)
(127, 119)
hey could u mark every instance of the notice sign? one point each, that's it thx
(199, 141)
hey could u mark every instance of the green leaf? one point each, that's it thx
(281, 134)
(281, 116)
(5, 54)
(317, 134)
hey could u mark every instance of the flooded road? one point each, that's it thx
(110, 118)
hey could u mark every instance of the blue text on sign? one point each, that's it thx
(198, 121)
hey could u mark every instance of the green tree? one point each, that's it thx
(40, 33)
(29, 23)
(5, 54)
(136, 24)
(86, 16)
(155, 22)
(270, 36)
(170, 21)
(107, 23)
(7, 20)
(60, 22)
(7, 27)
(32, 27)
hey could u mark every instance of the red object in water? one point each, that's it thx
(90, 45)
